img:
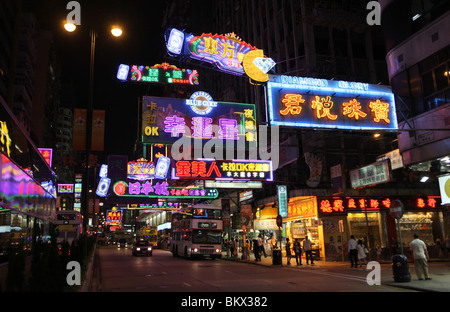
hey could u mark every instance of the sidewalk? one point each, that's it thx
(438, 269)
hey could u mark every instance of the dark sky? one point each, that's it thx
(142, 43)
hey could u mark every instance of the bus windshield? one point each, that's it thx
(206, 237)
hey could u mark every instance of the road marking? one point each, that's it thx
(188, 285)
(347, 276)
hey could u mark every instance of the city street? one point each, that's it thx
(122, 272)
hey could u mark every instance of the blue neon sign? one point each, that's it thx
(321, 103)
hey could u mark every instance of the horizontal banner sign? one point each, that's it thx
(340, 205)
(211, 169)
(161, 190)
(165, 120)
(160, 73)
(321, 103)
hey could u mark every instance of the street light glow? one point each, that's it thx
(116, 31)
(70, 27)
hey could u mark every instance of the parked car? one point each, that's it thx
(142, 248)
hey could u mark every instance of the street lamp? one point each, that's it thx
(116, 32)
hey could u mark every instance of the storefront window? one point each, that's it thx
(363, 227)
(417, 222)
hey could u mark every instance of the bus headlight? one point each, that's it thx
(138, 249)
(218, 250)
(195, 250)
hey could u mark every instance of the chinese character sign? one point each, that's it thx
(164, 73)
(165, 120)
(161, 190)
(372, 174)
(206, 169)
(113, 215)
(320, 103)
(340, 205)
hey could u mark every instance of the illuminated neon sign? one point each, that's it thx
(343, 205)
(113, 215)
(159, 73)
(141, 169)
(47, 154)
(161, 190)
(210, 169)
(201, 103)
(226, 52)
(165, 120)
(65, 188)
(321, 103)
(5, 139)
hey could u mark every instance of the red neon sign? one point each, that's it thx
(340, 205)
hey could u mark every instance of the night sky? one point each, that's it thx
(141, 43)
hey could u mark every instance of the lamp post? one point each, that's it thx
(116, 32)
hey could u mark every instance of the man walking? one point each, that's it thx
(308, 250)
(261, 246)
(352, 251)
(420, 254)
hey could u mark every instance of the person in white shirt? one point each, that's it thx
(352, 251)
(420, 254)
(307, 247)
(261, 245)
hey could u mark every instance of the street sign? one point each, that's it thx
(396, 210)
(279, 221)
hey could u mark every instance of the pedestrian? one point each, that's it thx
(352, 252)
(256, 250)
(439, 247)
(272, 243)
(378, 253)
(420, 254)
(232, 247)
(307, 247)
(297, 252)
(261, 246)
(361, 252)
(288, 251)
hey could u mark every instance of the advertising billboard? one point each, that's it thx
(165, 120)
(330, 104)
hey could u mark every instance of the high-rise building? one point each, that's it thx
(418, 59)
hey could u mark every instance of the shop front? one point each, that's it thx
(369, 219)
(303, 221)
(265, 223)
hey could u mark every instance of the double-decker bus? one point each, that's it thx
(197, 232)
(69, 225)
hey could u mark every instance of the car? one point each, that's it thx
(142, 248)
(122, 243)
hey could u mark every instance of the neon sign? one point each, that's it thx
(226, 52)
(65, 188)
(161, 190)
(158, 73)
(47, 154)
(320, 103)
(201, 103)
(209, 169)
(5, 139)
(141, 169)
(344, 205)
(113, 215)
(164, 120)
